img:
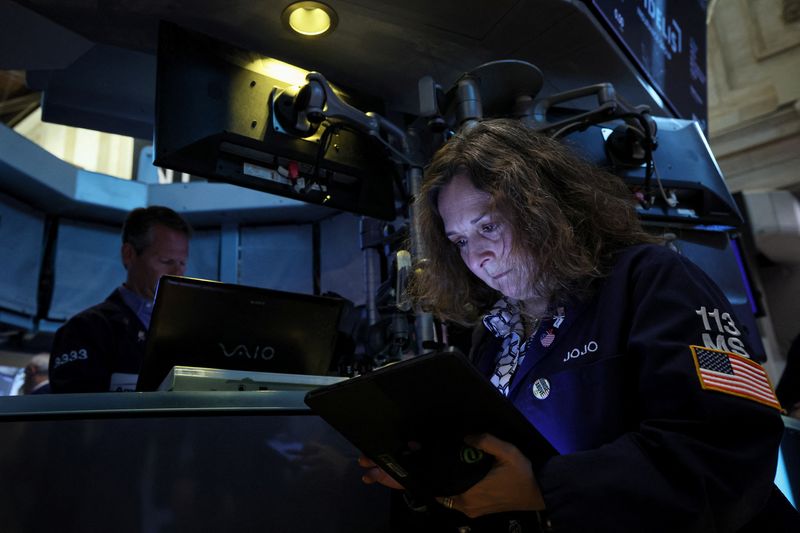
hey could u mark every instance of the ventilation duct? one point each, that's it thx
(775, 222)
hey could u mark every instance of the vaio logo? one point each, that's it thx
(264, 353)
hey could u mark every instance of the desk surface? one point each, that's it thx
(122, 404)
(179, 461)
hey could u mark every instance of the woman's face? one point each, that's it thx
(483, 237)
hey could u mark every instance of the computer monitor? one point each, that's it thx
(216, 118)
(209, 324)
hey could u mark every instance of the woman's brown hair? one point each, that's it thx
(566, 216)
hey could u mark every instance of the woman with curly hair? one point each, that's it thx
(621, 352)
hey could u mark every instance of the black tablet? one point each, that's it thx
(411, 417)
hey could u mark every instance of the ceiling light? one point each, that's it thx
(310, 19)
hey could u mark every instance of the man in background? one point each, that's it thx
(36, 375)
(101, 348)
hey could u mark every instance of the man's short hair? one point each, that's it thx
(40, 362)
(138, 225)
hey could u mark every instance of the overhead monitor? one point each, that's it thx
(667, 39)
(216, 118)
(686, 185)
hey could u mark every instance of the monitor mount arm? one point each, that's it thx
(609, 107)
(316, 101)
(301, 111)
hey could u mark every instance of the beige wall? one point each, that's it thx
(754, 87)
(754, 130)
(88, 149)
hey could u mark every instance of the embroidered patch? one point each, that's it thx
(548, 337)
(733, 374)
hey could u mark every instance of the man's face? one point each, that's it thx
(33, 376)
(482, 236)
(166, 254)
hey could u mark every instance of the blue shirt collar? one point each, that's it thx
(142, 307)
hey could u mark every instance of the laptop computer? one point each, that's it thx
(202, 323)
(410, 418)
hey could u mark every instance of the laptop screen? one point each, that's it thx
(204, 323)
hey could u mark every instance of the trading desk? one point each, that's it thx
(179, 461)
(173, 462)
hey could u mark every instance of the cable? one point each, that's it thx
(568, 128)
(322, 149)
(671, 201)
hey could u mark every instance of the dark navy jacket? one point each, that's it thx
(98, 342)
(644, 447)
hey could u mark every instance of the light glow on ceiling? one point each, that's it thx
(281, 71)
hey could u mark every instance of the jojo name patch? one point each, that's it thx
(733, 374)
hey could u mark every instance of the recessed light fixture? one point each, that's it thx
(310, 19)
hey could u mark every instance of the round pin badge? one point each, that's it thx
(541, 388)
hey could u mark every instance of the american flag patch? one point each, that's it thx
(547, 338)
(733, 374)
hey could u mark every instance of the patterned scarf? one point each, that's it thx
(505, 321)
